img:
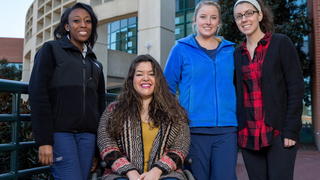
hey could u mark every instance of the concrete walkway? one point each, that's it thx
(307, 165)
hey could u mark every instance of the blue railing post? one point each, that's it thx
(14, 119)
(15, 134)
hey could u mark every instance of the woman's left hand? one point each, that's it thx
(288, 142)
(153, 174)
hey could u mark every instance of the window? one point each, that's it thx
(122, 35)
(183, 20)
(184, 15)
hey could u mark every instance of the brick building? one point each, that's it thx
(314, 7)
(11, 49)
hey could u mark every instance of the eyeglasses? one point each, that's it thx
(246, 14)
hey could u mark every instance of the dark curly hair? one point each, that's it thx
(60, 32)
(163, 108)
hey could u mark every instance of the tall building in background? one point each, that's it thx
(126, 27)
(120, 24)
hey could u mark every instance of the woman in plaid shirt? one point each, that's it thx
(269, 85)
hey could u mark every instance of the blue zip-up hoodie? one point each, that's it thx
(206, 88)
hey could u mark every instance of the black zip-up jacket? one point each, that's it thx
(282, 87)
(67, 91)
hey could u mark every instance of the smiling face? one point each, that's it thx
(207, 21)
(144, 80)
(248, 25)
(79, 27)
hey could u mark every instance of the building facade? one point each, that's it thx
(126, 28)
(120, 24)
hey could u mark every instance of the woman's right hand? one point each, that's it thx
(45, 154)
(133, 175)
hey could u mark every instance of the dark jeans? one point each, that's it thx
(73, 154)
(271, 163)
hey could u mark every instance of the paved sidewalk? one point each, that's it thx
(307, 165)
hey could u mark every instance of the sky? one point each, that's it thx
(13, 13)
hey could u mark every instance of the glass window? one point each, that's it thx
(179, 5)
(113, 37)
(133, 30)
(189, 28)
(132, 21)
(189, 16)
(179, 18)
(115, 26)
(179, 31)
(124, 23)
(132, 44)
(118, 37)
(184, 15)
(123, 45)
(113, 46)
(122, 35)
(118, 45)
(190, 4)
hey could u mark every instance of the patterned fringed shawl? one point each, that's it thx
(125, 153)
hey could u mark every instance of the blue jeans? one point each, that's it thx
(214, 156)
(72, 155)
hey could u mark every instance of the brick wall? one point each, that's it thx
(11, 49)
(315, 12)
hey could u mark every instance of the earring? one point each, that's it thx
(67, 27)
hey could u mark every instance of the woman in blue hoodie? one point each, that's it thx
(201, 67)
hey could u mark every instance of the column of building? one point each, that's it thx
(156, 28)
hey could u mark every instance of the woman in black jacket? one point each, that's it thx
(269, 86)
(67, 95)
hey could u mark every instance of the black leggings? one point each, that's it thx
(270, 163)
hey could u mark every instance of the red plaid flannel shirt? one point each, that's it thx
(256, 134)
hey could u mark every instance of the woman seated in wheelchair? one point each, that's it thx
(144, 135)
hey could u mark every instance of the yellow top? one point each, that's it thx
(148, 136)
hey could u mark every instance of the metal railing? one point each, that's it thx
(17, 88)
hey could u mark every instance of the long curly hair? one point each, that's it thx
(163, 108)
